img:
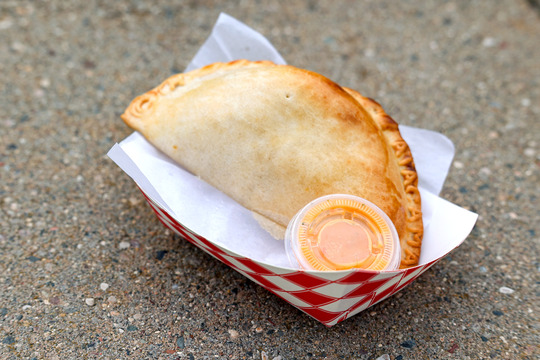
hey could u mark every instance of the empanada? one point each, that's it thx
(274, 137)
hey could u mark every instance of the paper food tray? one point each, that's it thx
(216, 224)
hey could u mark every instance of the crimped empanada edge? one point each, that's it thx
(390, 129)
(134, 114)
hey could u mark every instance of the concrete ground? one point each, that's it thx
(87, 271)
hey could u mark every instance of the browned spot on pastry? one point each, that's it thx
(175, 82)
(137, 108)
(415, 214)
(387, 123)
(409, 177)
(400, 146)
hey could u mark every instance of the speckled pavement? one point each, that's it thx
(87, 271)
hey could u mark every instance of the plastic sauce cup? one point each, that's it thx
(340, 232)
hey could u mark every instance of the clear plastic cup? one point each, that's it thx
(340, 232)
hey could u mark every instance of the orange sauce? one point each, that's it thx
(340, 234)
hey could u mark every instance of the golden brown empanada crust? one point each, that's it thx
(411, 239)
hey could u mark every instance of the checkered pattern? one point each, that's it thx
(329, 297)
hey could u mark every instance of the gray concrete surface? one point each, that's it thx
(86, 270)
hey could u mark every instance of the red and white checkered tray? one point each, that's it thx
(329, 297)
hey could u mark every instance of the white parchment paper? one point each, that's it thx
(213, 215)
